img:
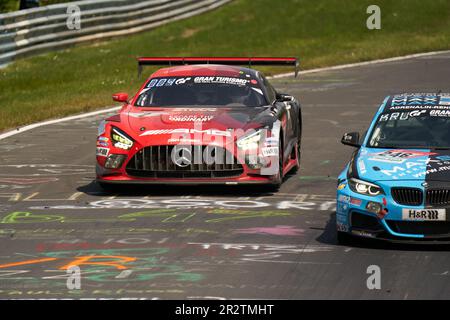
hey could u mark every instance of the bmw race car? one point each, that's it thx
(197, 122)
(397, 184)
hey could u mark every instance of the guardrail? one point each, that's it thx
(34, 31)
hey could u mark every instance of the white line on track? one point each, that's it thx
(46, 123)
(360, 64)
(283, 75)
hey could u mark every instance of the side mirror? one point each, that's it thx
(351, 139)
(120, 97)
(281, 97)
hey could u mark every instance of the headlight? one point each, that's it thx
(250, 142)
(365, 188)
(120, 139)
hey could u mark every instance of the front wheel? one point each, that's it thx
(279, 178)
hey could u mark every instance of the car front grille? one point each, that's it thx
(428, 228)
(414, 197)
(407, 196)
(157, 162)
(438, 197)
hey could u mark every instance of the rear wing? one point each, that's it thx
(237, 61)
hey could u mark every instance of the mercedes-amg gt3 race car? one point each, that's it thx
(199, 122)
(397, 184)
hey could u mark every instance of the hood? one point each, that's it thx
(425, 165)
(142, 120)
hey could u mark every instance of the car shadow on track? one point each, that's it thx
(329, 237)
(142, 190)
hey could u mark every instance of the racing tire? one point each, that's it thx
(298, 154)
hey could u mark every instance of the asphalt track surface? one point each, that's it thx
(210, 242)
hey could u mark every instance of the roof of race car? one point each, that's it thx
(409, 101)
(205, 70)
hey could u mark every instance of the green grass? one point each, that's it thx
(320, 32)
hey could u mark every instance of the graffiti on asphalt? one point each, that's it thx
(277, 230)
(100, 265)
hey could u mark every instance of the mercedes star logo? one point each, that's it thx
(182, 157)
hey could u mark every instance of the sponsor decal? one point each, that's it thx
(102, 152)
(182, 80)
(104, 139)
(414, 100)
(341, 186)
(190, 118)
(445, 100)
(222, 80)
(184, 141)
(102, 144)
(355, 202)
(424, 214)
(211, 132)
(269, 151)
(341, 227)
(402, 115)
(146, 114)
(271, 142)
(424, 107)
(409, 168)
(432, 171)
(152, 83)
(161, 82)
(362, 233)
(344, 199)
(440, 113)
(398, 156)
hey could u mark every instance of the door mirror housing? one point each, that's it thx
(351, 139)
(120, 97)
(282, 97)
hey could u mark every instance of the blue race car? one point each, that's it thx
(397, 183)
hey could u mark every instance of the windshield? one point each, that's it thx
(201, 91)
(419, 128)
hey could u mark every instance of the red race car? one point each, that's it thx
(202, 121)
